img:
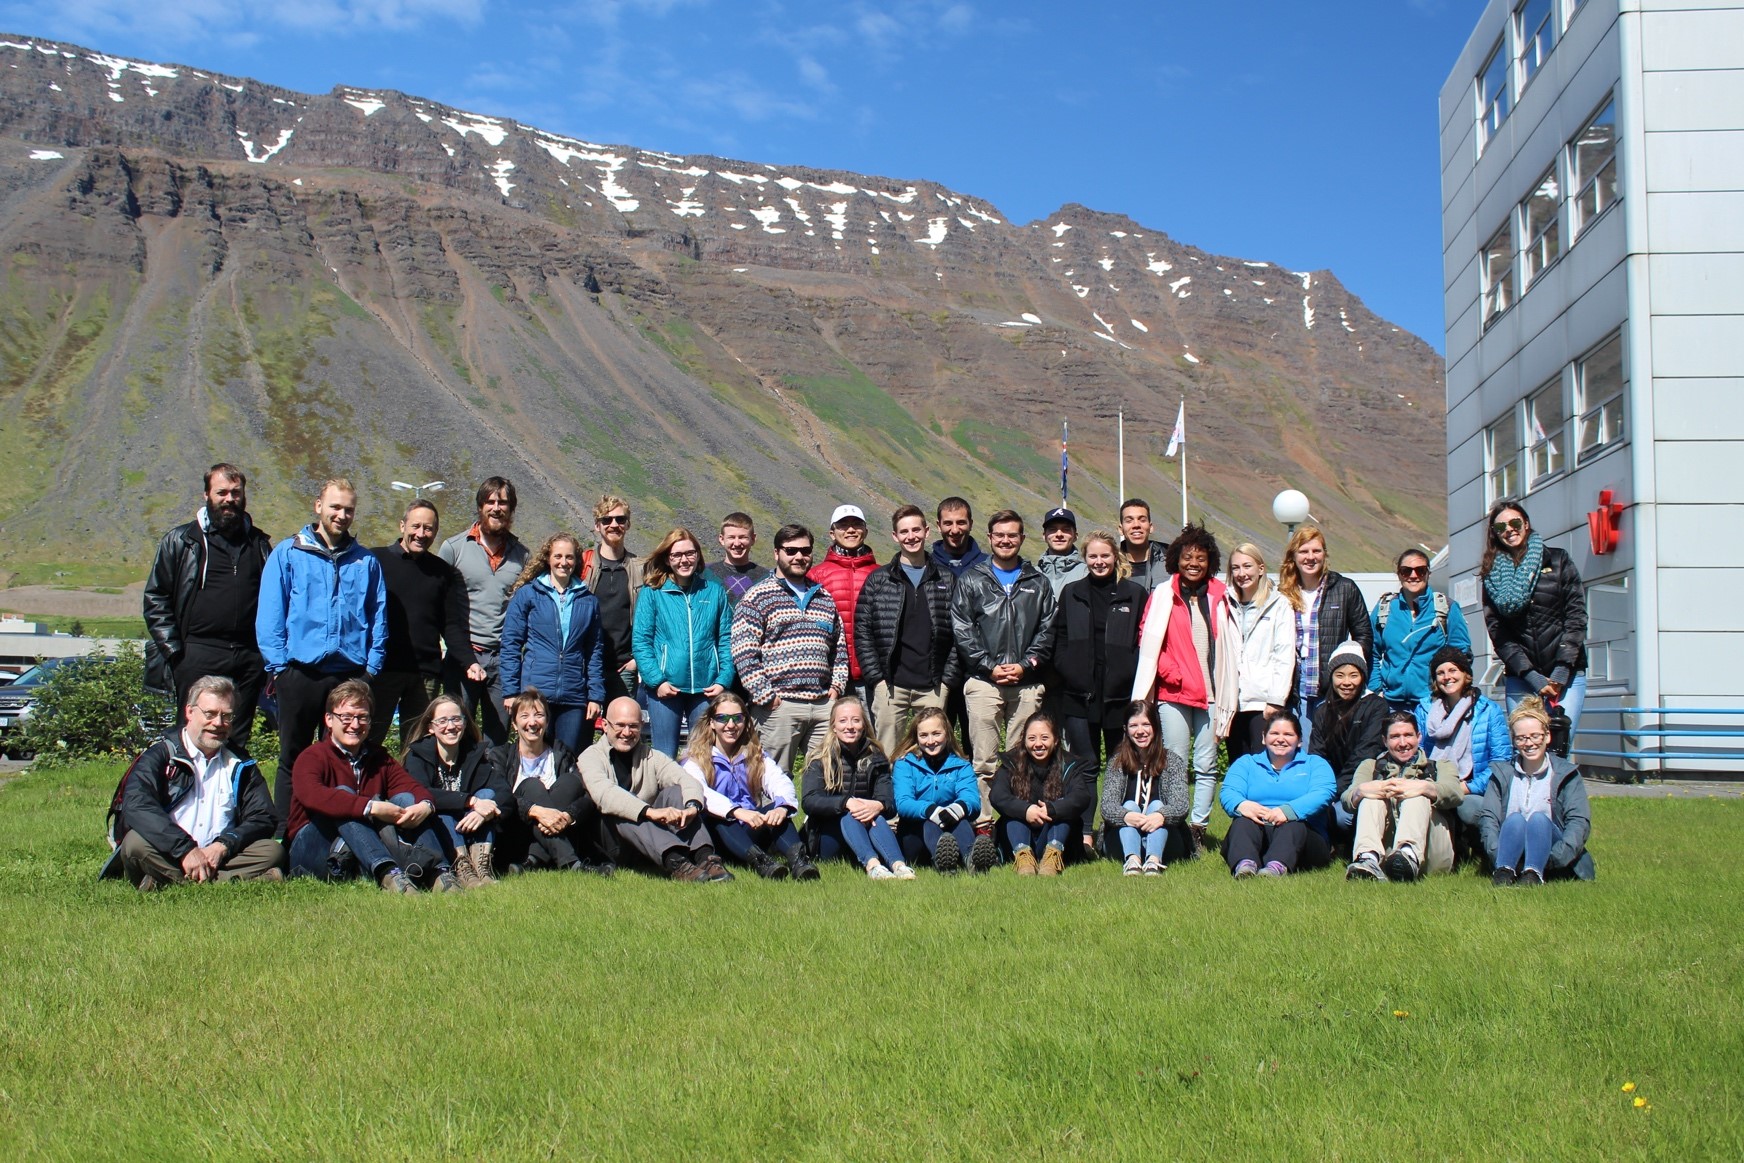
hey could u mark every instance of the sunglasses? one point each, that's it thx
(794, 550)
(623, 520)
(729, 720)
(1413, 571)
(1512, 523)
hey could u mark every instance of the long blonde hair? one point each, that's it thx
(1263, 587)
(828, 755)
(702, 744)
(1289, 581)
(1122, 567)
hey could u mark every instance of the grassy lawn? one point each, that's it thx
(1092, 1017)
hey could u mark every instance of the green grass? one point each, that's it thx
(93, 627)
(1092, 1017)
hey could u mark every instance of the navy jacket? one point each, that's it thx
(568, 670)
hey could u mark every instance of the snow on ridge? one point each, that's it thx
(1101, 320)
(838, 219)
(739, 179)
(787, 183)
(610, 163)
(502, 169)
(489, 128)
(1157, 266)
(983, 216)
(690, 172)
(1304, 276)
(44, 155)
(768, 216)
(798, 211)
(119, 65)
(1260, 265)
(1138, 325)
(686, 206)
(671, 157)
(1175, 287)
(248, 146)
(1307, 310)
(1105, 263)
(937, 229)
(1060, 228)
(368, 105)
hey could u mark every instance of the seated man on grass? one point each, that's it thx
(354, 807)
(191, 808)
(648, 801)
(1404, 803)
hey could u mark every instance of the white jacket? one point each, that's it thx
(777, 790)
(1268, 654)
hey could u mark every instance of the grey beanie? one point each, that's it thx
(1349, 653)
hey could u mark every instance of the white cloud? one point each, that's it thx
(814, 74)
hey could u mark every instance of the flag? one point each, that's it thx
(1065, 430)
(1179, 436)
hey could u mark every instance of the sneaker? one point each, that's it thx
(1154, 866)
(395, 881)
(1365, 867)
(1246, 869)
(984, 854)
(1132, 867)
(1531, 878)
(1053, 861)
(1503, 878)
(341, 864)
(597, 867)
(271, 876)
(1273, 868)
(902, 871)
(875, 870)
(687, 873)
(715, 870)
(1026, 862)
(1400, 864)
(446, 881)
(947, 857)
(802, 867)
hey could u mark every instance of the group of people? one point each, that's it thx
(1092, 687)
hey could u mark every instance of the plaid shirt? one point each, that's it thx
(1308, 643)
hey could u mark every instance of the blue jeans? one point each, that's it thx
(1022, 834)
(1573, 699)
(1187, 731)
(458, 840)
(1132, 840)
(738, 839)
(311, 846)
(1306, 705)
(664, 716)
(571, 727)
(845, 833)
(1529, 837)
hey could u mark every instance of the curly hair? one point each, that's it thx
(1194, 537)
(540, 563)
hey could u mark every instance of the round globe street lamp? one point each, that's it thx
(1290, 509)
(418, 491)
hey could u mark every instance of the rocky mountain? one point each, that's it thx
(374, 285)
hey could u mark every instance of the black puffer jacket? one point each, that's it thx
(477, 773)
(995, 628)
(1364, 735)
(177, 573)
(1344, 616)
(1549, 633)
(1074, 653)
(878, 622)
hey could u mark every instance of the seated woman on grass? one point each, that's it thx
(1145, 796)
(1277, 803)
(562, 824)
(846, 791)
(1040, 792)
(1460, 725)
(445, 754)
(937, 799)
(1535, 821)
(750, 801)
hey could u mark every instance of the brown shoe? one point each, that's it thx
(271, 876)
(463, 872)
(687, 872)
(1053, 861)
(480, 856)
(1198, 833)
(1026, 862)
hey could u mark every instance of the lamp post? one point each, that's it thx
(418, 491)
(1290, 509)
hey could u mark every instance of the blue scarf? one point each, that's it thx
(1510, 586)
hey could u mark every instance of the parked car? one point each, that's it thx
(16, 700)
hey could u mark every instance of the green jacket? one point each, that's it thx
(1448, 789)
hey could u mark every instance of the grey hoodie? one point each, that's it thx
(1060, 568)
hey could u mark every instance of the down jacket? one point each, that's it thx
(920, 789)
(877, 622)
(1077, 793)
(1074, 651)
(1547, 640)
(1168, 664)
(867, 778)
(844, 575)
(684, 636)
(163, 776)
(477, 773)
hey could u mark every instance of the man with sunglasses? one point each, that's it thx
(614, 574)
(790, 651)
(1409, 627)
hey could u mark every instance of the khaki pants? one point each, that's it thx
(992, 708)
(793, 723)
(894, 706)
(139, 859)
(1414, 821)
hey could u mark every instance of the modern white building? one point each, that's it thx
(1592, 158)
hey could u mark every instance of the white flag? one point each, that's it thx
(1179, 436)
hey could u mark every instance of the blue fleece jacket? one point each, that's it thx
(1490, 739)
(320, 607)
(1305, 786)
(1402, 654)
(920, 789)
(565, 663)
(684, 636)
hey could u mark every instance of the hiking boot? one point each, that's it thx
(1503, 878)
(802, 867)
(341, 864)
(875, 870)
(1246, 869)
(1400, 864)
(1025, 861)
(462, 870)
(149, 883)
(715, 870)
(688, 873)
(446, 881)
(766, 866)
(1531, 878)
(1365, 867)
(272, 876)
(1132, 867)
(397, 882)
(1053, 861)
(947, 857)
(480, 857)
(596, 867)
(984, 853)
(1197, 833)
(1154, 866)
(1273, 868)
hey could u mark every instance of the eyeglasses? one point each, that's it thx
(349, 720)
(448, 721)
(1513, 524)
(794, 550)
(215, 716)
(729, 720)
(620, 519)
(691, 555)
(1539, 738)
(1413, 571)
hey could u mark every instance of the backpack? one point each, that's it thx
(1386, 608)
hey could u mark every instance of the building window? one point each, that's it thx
(1535, 34)
(1569, 8)
(1494, 94)
(1496, 267)
(1592, 168)
(1598, 398)
(1540, 216)
(1502, 458)
(1544, 424)
(1610, 634)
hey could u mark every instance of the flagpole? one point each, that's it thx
(1183, 462)
(1065, 433)
(1120, 438)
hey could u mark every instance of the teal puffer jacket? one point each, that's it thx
(684, 636)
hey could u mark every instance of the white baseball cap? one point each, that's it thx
(846, 513)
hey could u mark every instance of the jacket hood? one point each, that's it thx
(308, 540)
(971, 550)
(1052, 563)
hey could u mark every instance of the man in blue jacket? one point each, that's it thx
(323, 618)
(1410, 626)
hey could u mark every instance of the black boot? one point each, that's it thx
(765, 865)
(801, 866)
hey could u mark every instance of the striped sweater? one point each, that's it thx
(782, 649)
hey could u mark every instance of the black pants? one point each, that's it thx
(1247, 734)
(1095, 744)
(302, 695)
(1294, 844)
(405, 691)
(582, 840)
(240, 664)
(486, 696)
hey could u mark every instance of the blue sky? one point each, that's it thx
(1298, 133)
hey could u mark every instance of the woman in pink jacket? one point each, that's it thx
(1179, 665)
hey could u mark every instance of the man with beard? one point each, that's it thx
(201, 599)
(426, 606)
(489, 558)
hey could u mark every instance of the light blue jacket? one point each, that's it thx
(561, 652)
(1490, 739)
(1304, 787)
(1402, 653)
(920, 789)
(324, 608)
(684, 637)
